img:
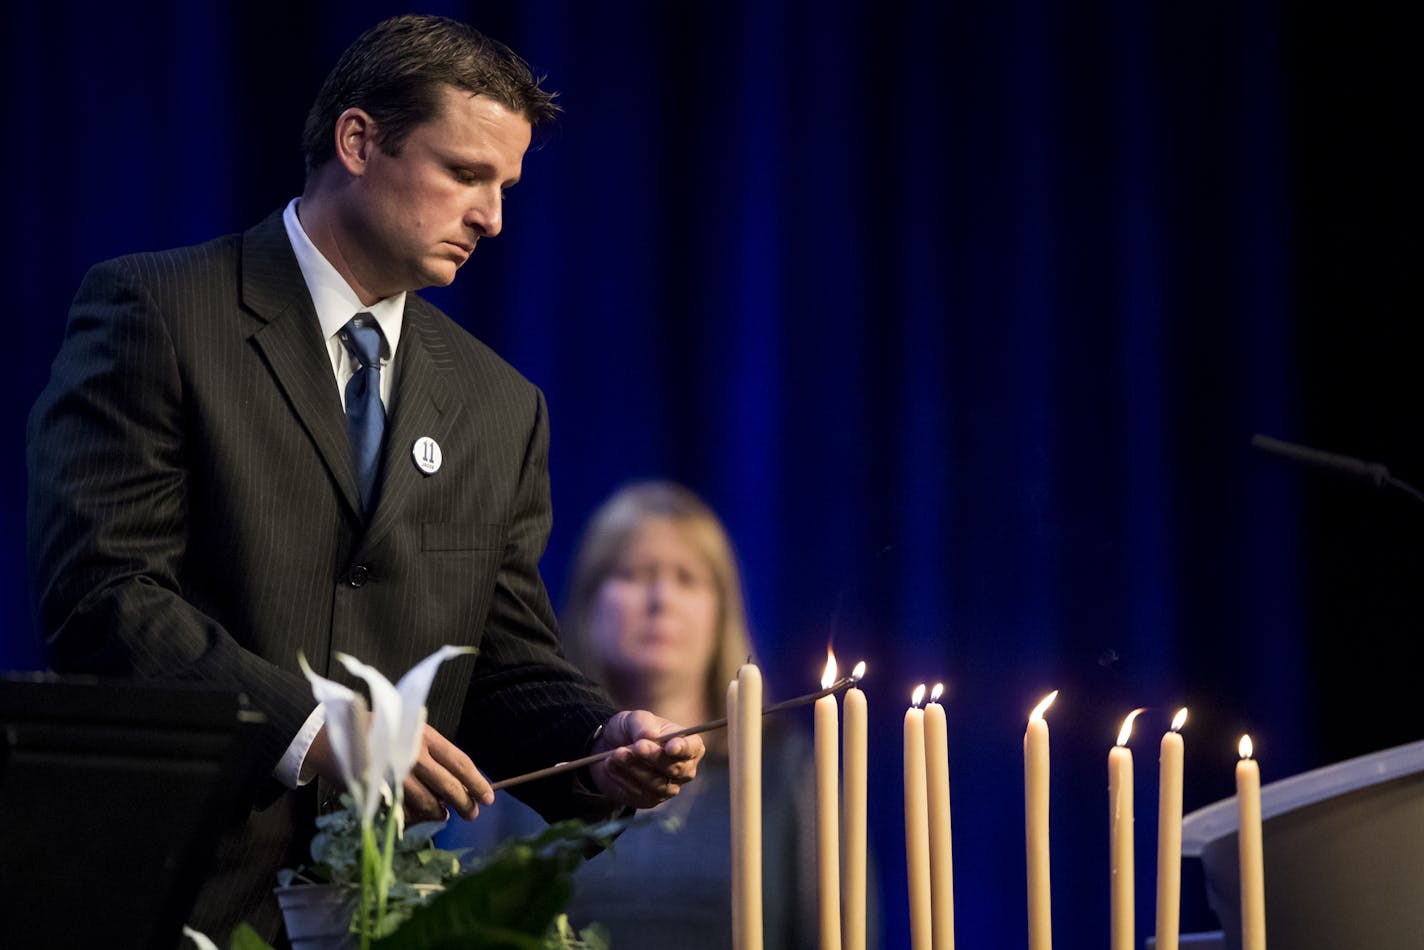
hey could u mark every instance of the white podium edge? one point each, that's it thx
(1205, 825)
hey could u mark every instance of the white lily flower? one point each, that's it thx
(203, 941)
(377, 746)
(398, 712)
(348, 722)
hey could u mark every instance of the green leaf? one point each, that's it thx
(245, 938)
(562, 936)
(417, 836)
(511, 898)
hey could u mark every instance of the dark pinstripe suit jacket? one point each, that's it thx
(193, 514)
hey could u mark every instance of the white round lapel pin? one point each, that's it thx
(427, 455)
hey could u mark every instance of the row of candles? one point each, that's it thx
(1120, 837)
(841, 904)
(928, 841)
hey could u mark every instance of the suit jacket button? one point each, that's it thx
(358, 575)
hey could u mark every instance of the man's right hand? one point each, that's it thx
(443, 777)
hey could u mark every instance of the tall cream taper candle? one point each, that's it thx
(747, 746)
(828, 825)
(734, 778)
(1251, 851)
(1120, 839)
(917, 826)
(941, 837)
(853, 932)
(1169, 837)
(1040, 915)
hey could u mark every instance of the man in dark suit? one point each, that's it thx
(265, 444)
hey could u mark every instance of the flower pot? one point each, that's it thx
(318, 916)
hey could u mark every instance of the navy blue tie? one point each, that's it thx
(365, 414)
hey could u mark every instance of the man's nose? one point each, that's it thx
(486, 213)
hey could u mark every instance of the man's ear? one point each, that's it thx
(355, 133)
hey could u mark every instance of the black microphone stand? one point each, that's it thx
(1372, 472)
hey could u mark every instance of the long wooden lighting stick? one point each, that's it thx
(836, 687)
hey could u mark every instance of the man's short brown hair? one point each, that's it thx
(395, 70)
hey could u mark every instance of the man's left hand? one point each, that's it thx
(641, 772)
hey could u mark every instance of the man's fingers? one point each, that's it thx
(679, 768)
(628, 787)
(447, 776)
(454, 760)
(643, 771)
(642, 782)
(635, 769)
(420, 804)
(441, 786)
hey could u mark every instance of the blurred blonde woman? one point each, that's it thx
(655, 614)
(655, 608)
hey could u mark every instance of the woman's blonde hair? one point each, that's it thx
(608, 534)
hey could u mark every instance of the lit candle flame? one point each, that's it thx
(1042, 707)
(918, 696)
(1126, 731)
(859, 672)
(828, 678)
(1245, 747)
(937, 692)
(1179, 720)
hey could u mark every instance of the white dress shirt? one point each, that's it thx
(336, 303)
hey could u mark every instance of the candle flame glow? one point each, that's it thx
(828, 678)
(1179, 720)
(937, 692)
(1042, 707)
(859, 672)
(1245, 747)
(1126, 731)
(918, 696)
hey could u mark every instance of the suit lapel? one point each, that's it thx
(290, 340)
(424, 406)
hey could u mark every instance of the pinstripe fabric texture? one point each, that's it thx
(193, 514)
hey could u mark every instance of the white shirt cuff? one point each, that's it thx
(291, 771)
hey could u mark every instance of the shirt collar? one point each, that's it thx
(335, 301)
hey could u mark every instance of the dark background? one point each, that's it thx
(962, 315)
